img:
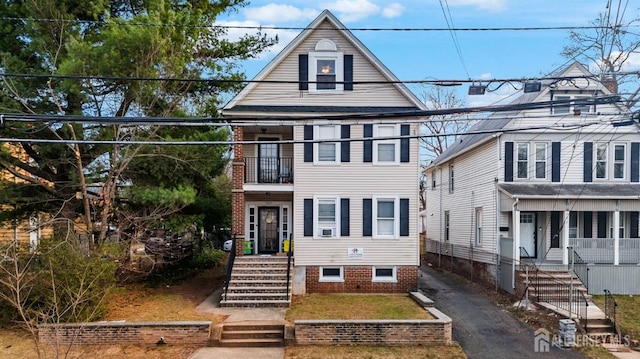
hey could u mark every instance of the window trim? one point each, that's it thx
(333, 279)
(377, 279)
(614, 162)
(545, 160)
(520, 161)
(394, 142)
(316, 212)
(336, 56)
(451, 178)
(316, 145)
(597, 160)
(479, 220)
(396, 216)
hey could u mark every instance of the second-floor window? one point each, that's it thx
(601, 160)
(451, 183)
(618, 161)
(386, 150)
(541, 160)
(523, 160)
(326, 151)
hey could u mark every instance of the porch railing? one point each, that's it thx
(229, 269)
(601, 250)
(268, 170)
(557, 293)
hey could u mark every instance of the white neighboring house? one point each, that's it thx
(328, 167)
(568, 183)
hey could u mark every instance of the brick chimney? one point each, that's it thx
(611, 84)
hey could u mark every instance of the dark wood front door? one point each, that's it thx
(268, 229)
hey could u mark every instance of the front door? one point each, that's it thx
(268, 229)
(528, 234)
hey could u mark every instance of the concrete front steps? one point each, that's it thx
(258, 281)
(553, 283)
(252, 334)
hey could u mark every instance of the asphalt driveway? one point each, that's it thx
(480, 326)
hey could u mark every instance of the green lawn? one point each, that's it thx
(627, 313)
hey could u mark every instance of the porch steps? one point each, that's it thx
(252, 334)
(553, 283)
(258, 281)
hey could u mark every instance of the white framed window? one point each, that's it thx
(601, 160)
(560, 109)
(619, 151)
(327, 216)
(384, 274)
(582, 108)
(479, 226)
(522, 153)
(621, 226)
(541, 160)
(451, 183)
(447, 218)
(386, 214)
(326, 152)
(573, 224)
(386, 151)
(331, 274)
(433, 180)
(326, 68)
(567, 108)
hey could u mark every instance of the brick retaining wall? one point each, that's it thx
(126, 333)
(375, 332)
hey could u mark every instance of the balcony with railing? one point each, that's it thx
(602, 250)
(268, 170)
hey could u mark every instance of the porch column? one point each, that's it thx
(616, 237)
(516, 235)
(237, 191)
(565, 238)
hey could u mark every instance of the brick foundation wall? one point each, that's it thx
(358, 279)
(375, 332)
(125, 333)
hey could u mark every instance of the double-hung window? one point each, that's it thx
(601, 160)
(479, 222)
(451, 182)
(327, 151)
(618, 161)
(386, 150)
(541, 160)
(386, 217)
(327, 220)
(523, 160)
(326, 68)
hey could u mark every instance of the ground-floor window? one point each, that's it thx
(331, 274)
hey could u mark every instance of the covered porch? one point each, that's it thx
(549, 222)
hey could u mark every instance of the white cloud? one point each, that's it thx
(486, 76)
(279, 13)
(393, 10)
(352, 10)
(490, 5)
(632, 63)
(237, 29)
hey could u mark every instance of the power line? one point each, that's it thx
(269, 27)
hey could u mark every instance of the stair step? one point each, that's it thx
(262, 342)
(256, 296)
(257, 289)
(253, 334)
(254, 303)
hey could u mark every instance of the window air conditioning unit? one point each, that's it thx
(327, 232)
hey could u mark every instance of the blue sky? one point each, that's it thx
(419, 55)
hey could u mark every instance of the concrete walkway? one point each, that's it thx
(212, 305)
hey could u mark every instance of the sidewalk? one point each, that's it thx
(212, 305)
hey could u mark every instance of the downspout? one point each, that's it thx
(516, 246)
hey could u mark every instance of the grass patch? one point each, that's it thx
(355, 306)
(367, 352)
(627, 314)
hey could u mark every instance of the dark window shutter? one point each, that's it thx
(345, 146)
(303, 72)
(587, 229)
(405, 130)
(308, 217)
(555, 162)
(588, 162)
(404, 217)
(348, 72)
(555, 229)
(367, 215)
(635, 161)
(368, 144)
(308, 146)
(634, 224)
(508, 161)
(344, 217)
(602, 225)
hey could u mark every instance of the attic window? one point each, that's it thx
(326, 68)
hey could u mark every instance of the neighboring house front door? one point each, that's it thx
(528, 234)
(268, 229)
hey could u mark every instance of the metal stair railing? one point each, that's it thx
(289, 256)
(229, 269)
(580, 267)
(610, 305)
